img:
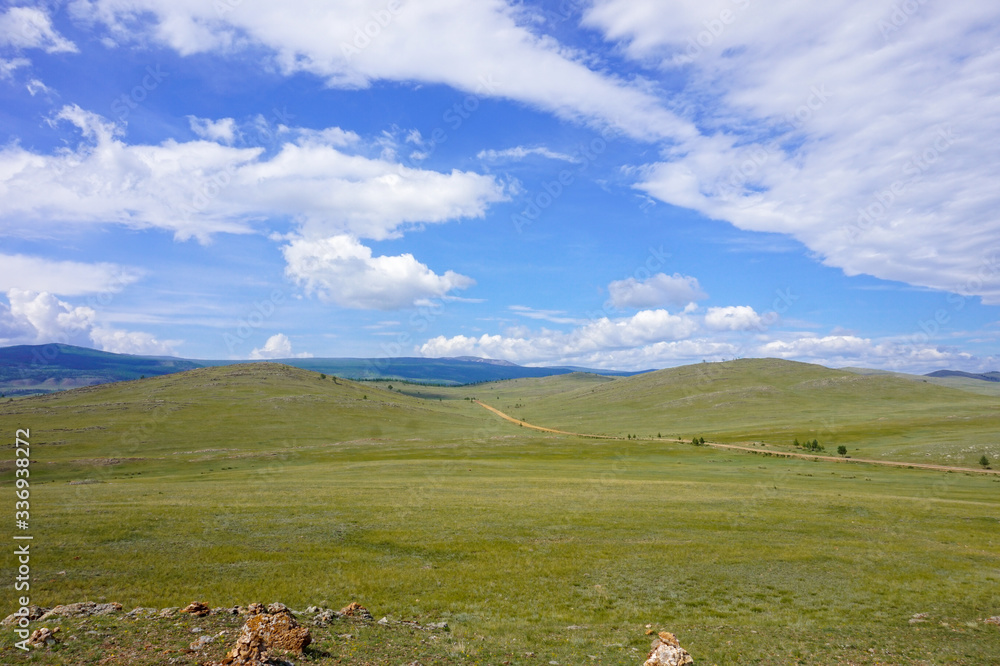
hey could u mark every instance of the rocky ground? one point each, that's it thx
(257, 635)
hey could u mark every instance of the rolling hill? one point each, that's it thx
(769, 400)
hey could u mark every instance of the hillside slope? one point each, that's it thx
(774, 401)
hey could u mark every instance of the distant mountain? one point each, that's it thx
(30, 369)
(983, 376)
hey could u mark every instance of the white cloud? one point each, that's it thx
(132, 342)
(555, 316)
(341, 270)
(66, 278)
(7, 67)
(277, 346)
(487, 52)
(199, 188)
(600, 336)
(655, 291)
(41, 318)
(31, 28)
(861, 129)
(36, 86)
(520, 152)
(221, 131)
(734, 318)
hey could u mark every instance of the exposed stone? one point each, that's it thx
(168, 612)
(197, 609)
(139, 611)
(667, 651)
(918, 618)
(43, 637)
(280, 630)
(326, 616)
(276, 607)
(82, 609)
(264, 631)
(313, 609)
(34, 613)
(993, 620)
(437, 626)
(354, 609)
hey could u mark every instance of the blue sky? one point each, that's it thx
(615, 183)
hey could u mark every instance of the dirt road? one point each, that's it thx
(761, 450)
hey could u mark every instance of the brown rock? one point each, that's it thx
(197, 608)
(34, 613)
(667, 651)
(993, 620)
(256, 609)
(264, 631)
(279, 630)
(354, 609)
(42, 637)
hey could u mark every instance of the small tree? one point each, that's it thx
(701, 441)
(796, 443)
(985, 462)
(842, 450)
(322, 376)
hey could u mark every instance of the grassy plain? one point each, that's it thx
(244, 483)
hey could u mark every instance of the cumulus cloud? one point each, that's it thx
(596, 337)
(41, 318)
(657, 290)
(199, 188)
(221, 131)
(870, 133)
(339, 269)
(66, 278)
(31, 28)
(277, 346)
(734, 318)
(488, 50)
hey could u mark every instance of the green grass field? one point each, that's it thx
(263, 482)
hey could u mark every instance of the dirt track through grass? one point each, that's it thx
(787, 454)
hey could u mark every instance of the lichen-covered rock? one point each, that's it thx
(82, 609)
(34, 613)
(280, 630)
(993, 620)
(197, 609)
(42, 637)
(264, 631)
(667, 651)
(354, 609)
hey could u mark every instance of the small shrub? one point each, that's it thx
(985, 462)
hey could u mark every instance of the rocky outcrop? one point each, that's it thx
(82, 609)
(34, 613)
(667, 651)
(268, 628)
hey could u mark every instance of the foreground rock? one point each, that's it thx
(267, 628)
(43, 637)
(666, 651)
(82, 609)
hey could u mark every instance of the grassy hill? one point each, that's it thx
(264, 482)
(768, 400)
